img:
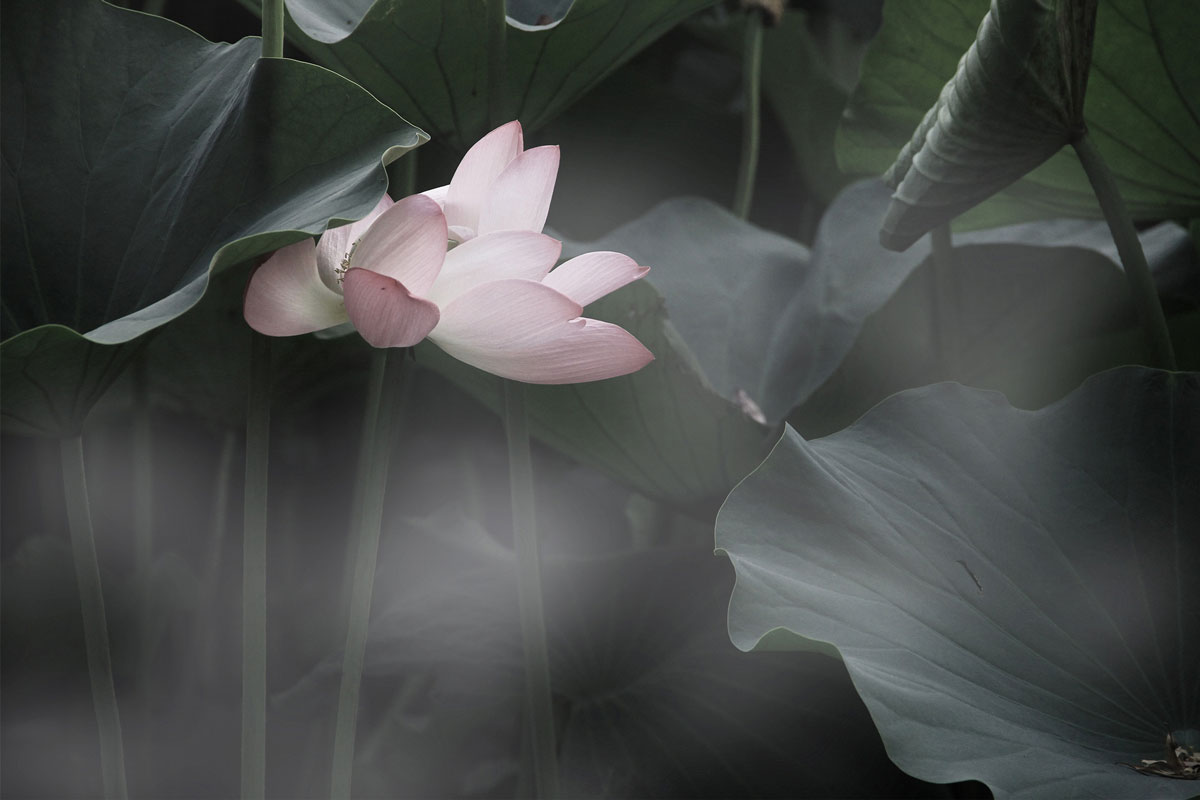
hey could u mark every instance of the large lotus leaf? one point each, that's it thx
(850, 277)
(138, 158)
(652, 699)
(1031, 320)
(1139, 110)
(1012, 592)
(428, 60)
(662, 430)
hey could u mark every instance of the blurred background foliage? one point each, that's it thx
(652, 698)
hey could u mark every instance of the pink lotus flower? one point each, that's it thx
(493, 301)
(499, 186)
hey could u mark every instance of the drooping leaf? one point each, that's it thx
(137, 159)
(1009, 590)
(1015, 100)
(428, 60)
(1139, 110)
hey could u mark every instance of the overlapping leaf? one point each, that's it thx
(428, 60)
(1011, 591)
(137, 158)
(1140, 110)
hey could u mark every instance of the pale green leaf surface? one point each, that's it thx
(1139, 108)
(137, 159)
(1011, 591)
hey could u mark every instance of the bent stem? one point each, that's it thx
(95, 626)
(254, 572)
(539, 707)
(1137, 271)
(751, 83)
(387, 369)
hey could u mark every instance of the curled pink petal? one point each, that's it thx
(384, 311)
(519, 198)
(486, 159)
(407, 242)
(334, 244)
(497, 256)
(286, 296)
(589, 277)
(529, 332)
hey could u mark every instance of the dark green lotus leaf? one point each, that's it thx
(200, 364)
(137, 159)
(330, 21)
(1139, 109)
(1010, 591)
(428, 60)
(663, 429)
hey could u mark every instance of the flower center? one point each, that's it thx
(340, 271)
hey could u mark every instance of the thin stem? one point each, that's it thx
(95, 626)
(206, 659)
(945, 299)
(497, 54)
(539, 705)
(751, 83)
(272, 29)
(143, 511)
(1137, 271)
(387, 369)
(254, 573)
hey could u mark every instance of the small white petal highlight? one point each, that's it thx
(589, 277)
(286, 296)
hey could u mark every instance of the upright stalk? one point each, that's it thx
(272, 29)
(1137, 271)
(205, 660)
(539, 707)
(254, 519)
(254, 573)
(497, 55)
(751, 85)
(143, 517)
(945, 299)
(383, 388)
(95, 626)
